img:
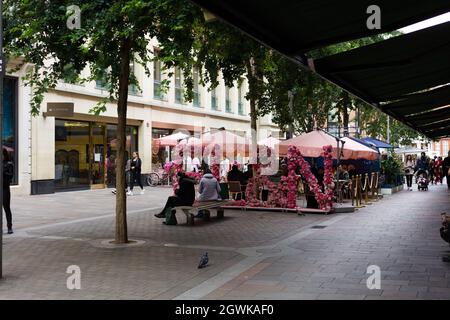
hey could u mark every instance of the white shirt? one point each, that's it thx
(224, 167)
(195, 164)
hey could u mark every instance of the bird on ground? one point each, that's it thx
(203, 261)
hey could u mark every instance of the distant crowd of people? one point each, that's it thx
(436, 169)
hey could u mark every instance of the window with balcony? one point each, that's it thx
(227, 100)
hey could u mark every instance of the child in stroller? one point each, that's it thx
(422, 180)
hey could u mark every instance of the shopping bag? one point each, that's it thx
(171, 218)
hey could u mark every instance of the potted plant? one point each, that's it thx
(393, 174)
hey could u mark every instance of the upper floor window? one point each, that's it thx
(70, 75)
(227, 100)
(196, 80)
(157, 78)
(214, 105)
(240, 101)
(132, 88)
(102, 81)
(178, 86)
(445, 147)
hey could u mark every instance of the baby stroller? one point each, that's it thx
(422, 180)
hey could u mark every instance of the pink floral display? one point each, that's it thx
(325, 199)
(172, 168)
(284, 193)
(195, 175)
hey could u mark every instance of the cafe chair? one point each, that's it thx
(234, 188)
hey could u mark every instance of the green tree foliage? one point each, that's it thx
(312, 96)
(375, 125)
(111, 35)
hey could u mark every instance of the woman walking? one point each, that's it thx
(136, 164)
(8, 174)
(409, 171)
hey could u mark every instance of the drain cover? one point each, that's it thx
(318, 227)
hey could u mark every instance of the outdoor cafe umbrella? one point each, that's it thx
(230, 143)
(193, 146)
(270, 142)
(172, 140)
(311, 145)
(359, 150)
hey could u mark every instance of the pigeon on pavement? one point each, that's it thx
(203, 261)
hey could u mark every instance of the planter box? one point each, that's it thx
(391, 190)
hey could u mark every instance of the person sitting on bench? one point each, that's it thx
(209, 190)
(184, 195)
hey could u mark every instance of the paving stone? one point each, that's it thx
(399, 234)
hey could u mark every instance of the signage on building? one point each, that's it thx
(59, 109)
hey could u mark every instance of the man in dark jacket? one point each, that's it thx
(446, 168)
(8, 174)
(184, 195)
(236, 175)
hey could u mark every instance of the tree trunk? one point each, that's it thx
(121, 200)
(251, 78)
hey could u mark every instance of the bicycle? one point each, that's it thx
(156, 178)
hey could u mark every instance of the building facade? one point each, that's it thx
(440, 147)
(78, 151)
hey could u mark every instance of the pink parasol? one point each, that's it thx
(230, 143)
(172, 140)
(311, 145)
(360, 151)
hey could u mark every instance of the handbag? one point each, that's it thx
(171, 218)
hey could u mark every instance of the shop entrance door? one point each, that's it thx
(97, 155)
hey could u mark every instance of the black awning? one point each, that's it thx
(435, 125)
(296, 26)
(430, 117)
(415, 104)
(391, 69)
(394, 75)
(439, 133)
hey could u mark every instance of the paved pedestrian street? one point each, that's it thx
(253, 254)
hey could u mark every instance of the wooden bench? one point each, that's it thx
(277, 209)
(206, 206)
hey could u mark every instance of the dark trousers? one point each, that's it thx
(448, 181)
(174, 201)
(136, 176)
(409, 179)
(7, 205)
